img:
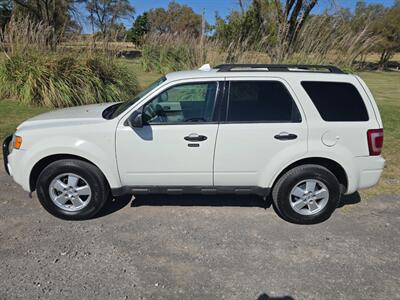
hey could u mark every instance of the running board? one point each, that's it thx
(176, 190)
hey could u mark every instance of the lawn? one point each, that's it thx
(384, 85)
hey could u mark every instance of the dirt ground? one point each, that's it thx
(198, 247)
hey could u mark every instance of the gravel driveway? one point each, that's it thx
(203, 247)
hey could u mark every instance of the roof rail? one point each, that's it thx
(278, 68)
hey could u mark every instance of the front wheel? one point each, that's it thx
(72, 189)
(306, 194)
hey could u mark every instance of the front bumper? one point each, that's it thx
(6, 144)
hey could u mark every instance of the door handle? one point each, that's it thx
(194, 137)
(284, 136)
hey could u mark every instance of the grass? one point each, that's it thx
(384, 85)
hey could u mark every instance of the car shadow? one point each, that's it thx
(264, 296)
(350, 199)
(201, 200)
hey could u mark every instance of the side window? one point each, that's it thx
(336, 101)
(261, 101)
(192, 102)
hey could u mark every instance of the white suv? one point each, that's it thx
(307, 134)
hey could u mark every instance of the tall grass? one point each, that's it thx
(323, 40)
(33, 74)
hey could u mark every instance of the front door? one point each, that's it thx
(175, 147)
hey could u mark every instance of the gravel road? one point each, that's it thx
(198, 247)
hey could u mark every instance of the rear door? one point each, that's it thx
(263, 128)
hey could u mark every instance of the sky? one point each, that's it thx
(223, 7)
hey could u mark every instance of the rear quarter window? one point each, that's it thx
(336, 101)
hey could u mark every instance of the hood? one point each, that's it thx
(72, 115)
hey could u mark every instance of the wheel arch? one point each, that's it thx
(328, 163)
(45, 161)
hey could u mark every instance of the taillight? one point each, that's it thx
(375, 141)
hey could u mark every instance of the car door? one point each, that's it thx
(263, 130)
(175, 147)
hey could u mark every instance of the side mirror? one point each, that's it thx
(135, 120)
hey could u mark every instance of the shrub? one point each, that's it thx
(32, 73)
(59, 80)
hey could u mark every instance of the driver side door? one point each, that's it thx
(175, 146)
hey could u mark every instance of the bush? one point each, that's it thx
(59, 79)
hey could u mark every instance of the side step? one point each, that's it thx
(177, 190)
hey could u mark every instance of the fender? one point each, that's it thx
(338, 154)
(104, 159)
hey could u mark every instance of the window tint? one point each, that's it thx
(336, 101)
(123, 106)
(182, 103)
(261, 101)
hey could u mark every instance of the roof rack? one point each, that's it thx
(278, 68)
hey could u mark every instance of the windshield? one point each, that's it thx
(123, 106)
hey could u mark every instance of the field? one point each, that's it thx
(384, 85)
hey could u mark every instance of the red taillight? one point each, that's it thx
(375, 141)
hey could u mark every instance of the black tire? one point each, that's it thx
(282, 189)
(100, 191)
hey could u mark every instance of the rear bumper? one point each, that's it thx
(370, 170)
(6, 144)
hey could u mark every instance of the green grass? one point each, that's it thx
(13, 113)
(384, 85)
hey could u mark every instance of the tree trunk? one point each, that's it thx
(386, 55)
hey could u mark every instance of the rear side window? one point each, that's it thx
(261, 101)
(336, 101)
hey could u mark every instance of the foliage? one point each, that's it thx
(32, 74)
(176, 19)
(21, 34)
(5, 12)
(166, 52)
(140, 27)
(55, 14)
(388, 28)
(324, 39)
(104, 14)
(59, 80)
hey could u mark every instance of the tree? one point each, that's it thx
(56, 14)
(291, 18)
(248, 26)
(5, 12)
(388, 28)
(104, 14)
(140, 27)
(176, 19)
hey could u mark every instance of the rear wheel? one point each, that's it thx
(72, 189)
(306, 194)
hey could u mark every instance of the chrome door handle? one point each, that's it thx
(284, 136)
(194, 137)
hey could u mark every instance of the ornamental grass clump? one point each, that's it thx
(32, 73)
(60, 80)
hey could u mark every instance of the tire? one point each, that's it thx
(76, 173)
(320, 205)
